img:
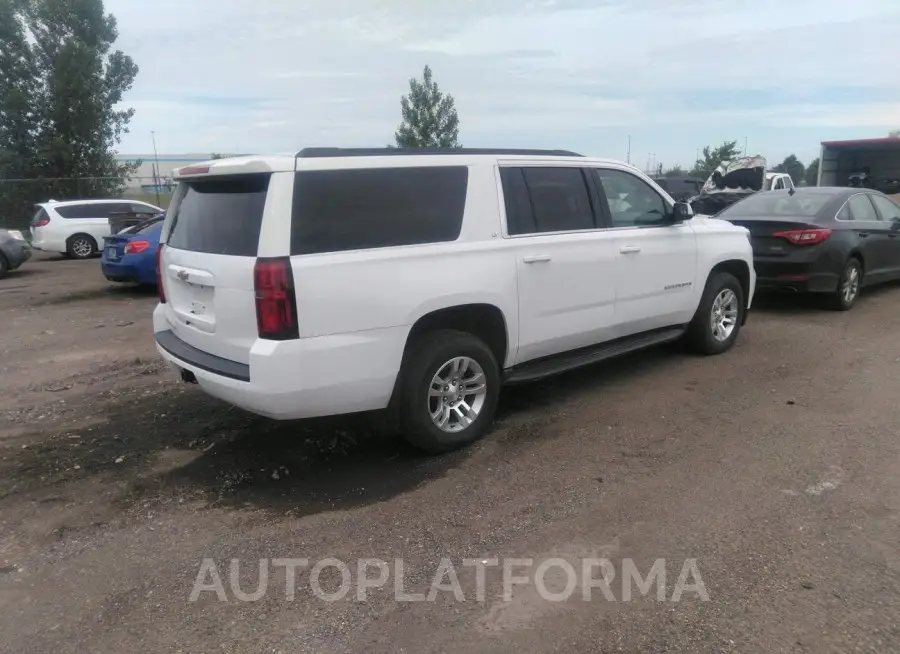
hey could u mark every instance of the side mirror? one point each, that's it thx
(681, 211)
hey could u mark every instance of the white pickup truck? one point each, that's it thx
(734, 180)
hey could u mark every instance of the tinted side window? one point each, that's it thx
(222, 215)
(559, 198)
(889, 210)
(109, 209)
(73, 211)
(632, 202)
(337, 210)
(861, 207)
(519, 216)
(142, 208)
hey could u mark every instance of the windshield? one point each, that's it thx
(777, 203)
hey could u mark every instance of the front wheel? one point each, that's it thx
(449, 393)
(719, 317)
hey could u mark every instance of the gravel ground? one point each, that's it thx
(774, 467)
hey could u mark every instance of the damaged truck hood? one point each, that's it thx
(730, 182)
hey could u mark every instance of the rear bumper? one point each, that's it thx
(302, 378)
(123, 271)
(801, 274)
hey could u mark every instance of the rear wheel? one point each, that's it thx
(719, 317)
(844, 297)
(81, 246)
(449, 391)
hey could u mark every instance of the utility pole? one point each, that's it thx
(745, 146)
(156, 168)
(628, 159)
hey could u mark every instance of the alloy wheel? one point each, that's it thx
(457, 394)
(724, 314)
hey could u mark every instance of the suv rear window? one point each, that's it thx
(219, 216)
(339, 210)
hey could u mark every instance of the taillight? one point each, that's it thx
(159, 276)
(136, 247)
(40, 222)
(276, 303)
(804, 236)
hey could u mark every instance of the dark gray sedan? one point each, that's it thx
(826, 240)
(14, 251)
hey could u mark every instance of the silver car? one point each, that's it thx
(14, 250)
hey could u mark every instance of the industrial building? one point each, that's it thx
(156, 169)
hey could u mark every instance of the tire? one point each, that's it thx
(435, 353)
(4, 266)
(81, 246)
(722, 296)
(849, 285)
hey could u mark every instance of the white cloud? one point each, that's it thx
(246, 75)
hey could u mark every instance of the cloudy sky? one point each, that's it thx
(278, 75)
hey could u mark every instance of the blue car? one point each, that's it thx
(130, 255)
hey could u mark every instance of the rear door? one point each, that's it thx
(889, 213)
(874, 235)
(94, 218)
(211, 244)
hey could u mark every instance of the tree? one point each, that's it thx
(894, 134)
(676, 171)
(712, 157)
(812, 172)
(793, 167)
(429, 117)
(216, 155)
(57, 55)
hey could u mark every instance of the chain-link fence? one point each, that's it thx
(18, 196)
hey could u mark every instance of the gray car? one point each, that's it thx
(14, 251)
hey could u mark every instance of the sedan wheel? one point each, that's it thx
(848, 286)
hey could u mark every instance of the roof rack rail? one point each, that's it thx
(314, 153)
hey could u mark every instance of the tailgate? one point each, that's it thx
(208, 260)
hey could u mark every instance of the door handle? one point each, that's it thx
(892, 235)
(537, 258)
(863, 234)
(629, 249)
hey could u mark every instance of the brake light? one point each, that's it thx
(804, 236)
(136, 247)
(276, 303)
(194, 170)
(40, 222)
(159, 276)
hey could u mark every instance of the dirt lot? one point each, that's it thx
(776, 467)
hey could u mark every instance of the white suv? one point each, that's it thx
(340, 281)
(77, 227)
